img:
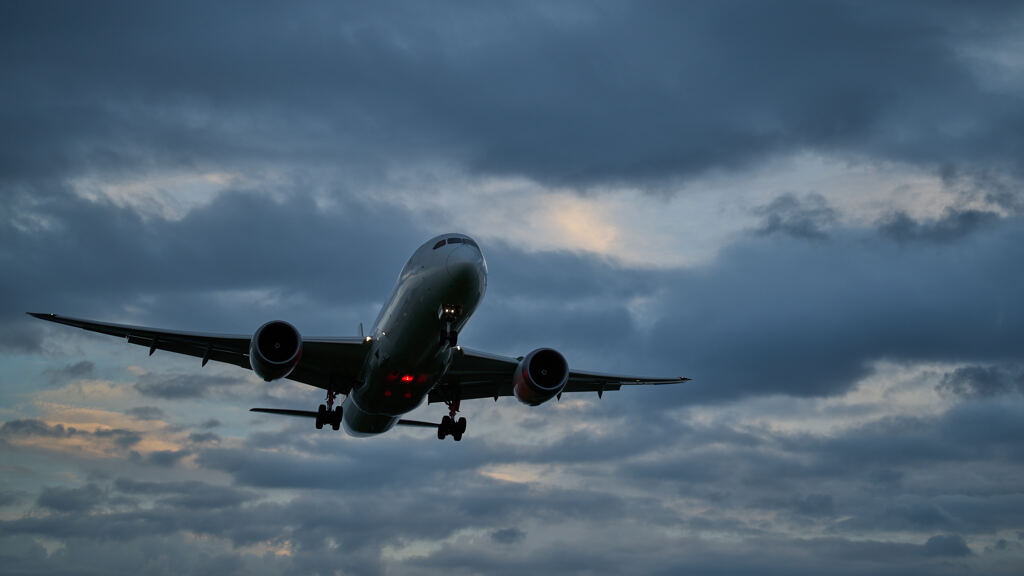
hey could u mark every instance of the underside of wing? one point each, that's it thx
(325, 363)
(476, 374)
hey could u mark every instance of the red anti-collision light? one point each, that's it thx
(407, 378)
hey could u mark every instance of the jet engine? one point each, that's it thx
(540, 376)
(274, 350)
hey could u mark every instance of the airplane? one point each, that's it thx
(411, 354)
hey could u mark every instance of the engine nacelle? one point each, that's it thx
(275, 350)
(540, 376)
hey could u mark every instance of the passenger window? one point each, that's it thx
(439, 244)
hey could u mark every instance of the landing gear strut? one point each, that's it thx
(328, 413)
(451, 426)
(449, 335)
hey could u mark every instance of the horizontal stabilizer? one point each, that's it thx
(312, 414)
(417, 423)
(283, 412)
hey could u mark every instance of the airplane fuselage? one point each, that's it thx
(438, 289)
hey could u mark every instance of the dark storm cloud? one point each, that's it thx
(577, 94)
(809, 218)
(296, 252)
(145, 413)
(983, 381)
(948, 545)
(166, 458)
(954, 225)
(788, 316)
(61, 499)
(26, 428)
(81, 369)
(180, 386)
(508, 535)
(840, 305)
(198, 495)
(574, 93)
(746, 473)
(203, 437)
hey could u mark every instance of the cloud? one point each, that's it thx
(61, 499)
(955, 224)
(180, 386)
(8, 498)
(612, 92)
(37, 432)
(119, 252)
(807, 219)
(167, 458)
(779, 315)
(190, 495)
(78, 370)
(146, 413)
(508, 536)
(856, 404)
(947, 545)
(983, 381)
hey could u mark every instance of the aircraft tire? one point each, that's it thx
(321, 416)
(445, 428)
(336, 418)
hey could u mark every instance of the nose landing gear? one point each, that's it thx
(448, 315)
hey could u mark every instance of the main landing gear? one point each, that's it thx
(448, 316)
(449, 425)
(328, 414)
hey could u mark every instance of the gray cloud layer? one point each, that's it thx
(577, 94)
(316, 103)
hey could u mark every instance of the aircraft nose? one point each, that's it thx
(465, 264)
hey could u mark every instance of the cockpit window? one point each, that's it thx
(455, 240)
(471, 243)
(439, 243)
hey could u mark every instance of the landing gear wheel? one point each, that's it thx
(321, 416)
(444, 428)
(451, 427)
(458, 429)
(336, 418)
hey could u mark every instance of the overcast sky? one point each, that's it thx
(814, 209)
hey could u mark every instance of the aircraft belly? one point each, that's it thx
(358, 422)
(408, 357)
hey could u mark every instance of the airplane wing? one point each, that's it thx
(475, 374)
(326, 362)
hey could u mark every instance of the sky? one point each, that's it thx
(813, 209)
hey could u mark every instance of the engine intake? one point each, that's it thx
(275, 350)
(540, 376)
